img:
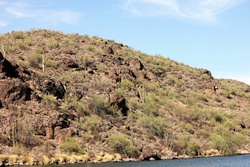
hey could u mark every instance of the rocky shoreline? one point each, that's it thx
(20, 160)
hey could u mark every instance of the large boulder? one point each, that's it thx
(6, 68)
(148, 154)
(13, 91)
(136, 64)
(120, 102)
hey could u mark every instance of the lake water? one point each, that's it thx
(228, 161)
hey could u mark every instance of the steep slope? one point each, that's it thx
(74, 94)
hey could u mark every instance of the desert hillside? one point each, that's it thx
(75, 98)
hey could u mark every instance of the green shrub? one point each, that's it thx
(52, 44)
(100, 106)
(227, 142)
(50, 101)
(155, 125)
(101, 67)
(90, 48)
(232, 104)
(74, 104)
(71, 145)
(186, 145)
(94, 124)
(34, 59)
(85, 59)
(127, 84)
(122, 145)
(22, 134)
(51, 63)
(21, 45)
(18, 35)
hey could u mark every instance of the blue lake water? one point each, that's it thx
(227, 161)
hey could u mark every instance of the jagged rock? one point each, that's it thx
(110, 50)
(71, 63)
(51, 123)
(150, 76)
(120, 101)
(137, 65)
(50, 86)
(207, 72)
(6, 68)
(148, 154)
(13, 92)
(69, 52)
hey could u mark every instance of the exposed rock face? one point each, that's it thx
(148, 154)
(207, 72)
(137, 65)
(110, 50)
(150, 76)
(50, 86)
(46, 124)
(120, 101)
(6, 68)
(51, 123)
(70, 63)
(13, 92)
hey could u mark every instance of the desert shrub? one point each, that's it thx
(75, 105)
(155, 125)
(22, 135)
(71, 145)
(232, 125)
(90, 48)
(34, 59)
(150, 105)
(227, 142)
(205, 77)
(52, 44)
(122, 145)
(215, 115)
(28, 42)
(21, 45)
(38, 50)
(186, 145)
(225, 93)
(94, 124)
(51, 63)
(101, 67)
(172, 80)
(193, 148)
(232, 104)
(5, 140)
(85, 59)
(18, 35)
(100, 106)
(127, 84)
(189, 128)
(173, 94)
(50, 101)
(70, 43)
(134, 103)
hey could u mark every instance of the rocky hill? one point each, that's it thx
(74, 98)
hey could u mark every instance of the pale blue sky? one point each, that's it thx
(211, 34)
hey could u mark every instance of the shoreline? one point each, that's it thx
(62, 159)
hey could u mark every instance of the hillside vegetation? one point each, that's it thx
(74, 98)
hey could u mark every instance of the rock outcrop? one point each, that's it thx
(6, 68)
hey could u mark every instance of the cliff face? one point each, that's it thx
(74, 94)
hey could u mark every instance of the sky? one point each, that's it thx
(209, 34)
